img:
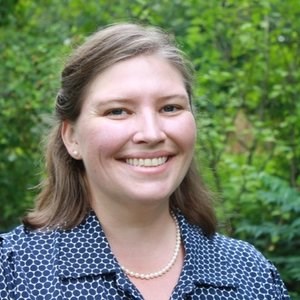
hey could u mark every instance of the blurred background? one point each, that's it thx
(246, 55)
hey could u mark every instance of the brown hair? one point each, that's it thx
(64, 197)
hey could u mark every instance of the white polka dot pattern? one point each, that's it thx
(78, 264)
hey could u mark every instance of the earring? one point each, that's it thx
(75, 153)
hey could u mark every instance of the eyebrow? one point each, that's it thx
(108, 101)
(125, 100)
(170, 97)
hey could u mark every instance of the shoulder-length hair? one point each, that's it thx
(64, 197)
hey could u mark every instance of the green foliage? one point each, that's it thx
(276, 230)
(247, 63)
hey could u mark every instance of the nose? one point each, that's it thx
(149, 129)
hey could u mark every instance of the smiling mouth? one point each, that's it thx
(147, 162)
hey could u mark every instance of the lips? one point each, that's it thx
(147, 162)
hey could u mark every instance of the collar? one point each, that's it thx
(84, 251)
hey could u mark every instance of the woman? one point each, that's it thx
(122, 213)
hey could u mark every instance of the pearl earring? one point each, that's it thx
(75, 153)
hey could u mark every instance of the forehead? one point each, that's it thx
(138, 74)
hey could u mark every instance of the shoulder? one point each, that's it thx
(222, 261)
(9, 239)
(237, 254)
(232, 246)
(26, 257)
(239, 257)
(21, 249)
(20, 240)
(238, 251)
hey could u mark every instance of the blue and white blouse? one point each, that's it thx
(78, 264)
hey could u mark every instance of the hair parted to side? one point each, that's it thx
(64, 197)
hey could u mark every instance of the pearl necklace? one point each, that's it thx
(168, 267)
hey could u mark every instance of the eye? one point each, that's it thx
(117, 113)
(170, 108)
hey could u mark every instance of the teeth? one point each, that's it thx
(147, 162)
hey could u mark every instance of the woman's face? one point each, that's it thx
(135, 133)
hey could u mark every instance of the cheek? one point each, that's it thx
(185, 132)
(101, 140)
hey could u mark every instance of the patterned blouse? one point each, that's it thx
(78, 264)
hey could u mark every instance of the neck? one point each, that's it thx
(127, 229)
(115, 216)
(142, 240)
(165, 269)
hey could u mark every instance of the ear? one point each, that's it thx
(69, 138)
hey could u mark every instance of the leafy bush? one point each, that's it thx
(274, 228)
